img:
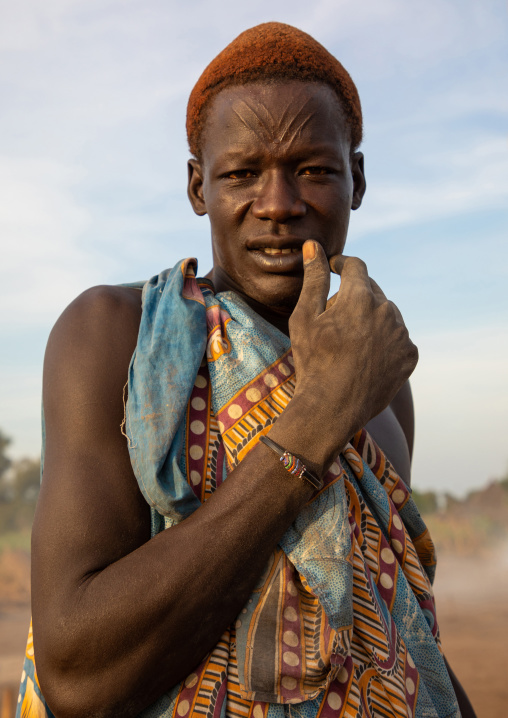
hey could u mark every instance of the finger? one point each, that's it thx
(396, 311)
(316, 279)
(381, 297)
(350, 267)
(378, 292)
(338, 265)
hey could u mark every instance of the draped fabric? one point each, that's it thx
(342, 622)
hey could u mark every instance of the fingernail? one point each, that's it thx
(308, 251)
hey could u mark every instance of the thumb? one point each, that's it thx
(316, 279)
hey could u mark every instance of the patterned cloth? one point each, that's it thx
(342, 622)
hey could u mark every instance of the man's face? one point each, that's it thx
(276, 170)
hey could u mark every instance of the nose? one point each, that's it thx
(278, 198)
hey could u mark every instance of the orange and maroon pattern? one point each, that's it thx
(378, 676)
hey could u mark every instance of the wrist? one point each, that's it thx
(305, 430)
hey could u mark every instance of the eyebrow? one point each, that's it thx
(234, 155)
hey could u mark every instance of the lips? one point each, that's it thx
(273, 251)
(277, 242)
(279, 255)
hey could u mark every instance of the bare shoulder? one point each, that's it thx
(98, 313)
(90, 346)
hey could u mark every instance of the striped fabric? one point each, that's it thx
(342, 622)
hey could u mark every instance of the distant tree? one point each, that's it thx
(26, 479)
(504, 481)
(5, 462)
(6, 490)
(426, 501)
(19, 490)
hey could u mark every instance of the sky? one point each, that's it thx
(93, 185)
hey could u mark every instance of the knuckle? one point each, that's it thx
(355, 263)
(413, 352)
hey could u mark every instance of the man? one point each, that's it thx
(163, 588)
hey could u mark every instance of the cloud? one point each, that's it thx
(41, 223)
(92, 179)
(452, 183)
(460, 388)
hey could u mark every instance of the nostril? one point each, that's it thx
(279, 207)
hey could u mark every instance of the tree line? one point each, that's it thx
(19, 489)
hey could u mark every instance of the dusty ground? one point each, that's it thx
(471, 595)
(472, 608)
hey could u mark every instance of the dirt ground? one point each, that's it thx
(471, 595)
(472, 608)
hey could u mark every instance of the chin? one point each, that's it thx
(281, 300)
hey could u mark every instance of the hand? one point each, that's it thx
(353, 353)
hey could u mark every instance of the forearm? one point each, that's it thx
(144, 622)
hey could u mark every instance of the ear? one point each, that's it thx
(195, 187)
(359, 183)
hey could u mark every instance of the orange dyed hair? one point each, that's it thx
(272, 51)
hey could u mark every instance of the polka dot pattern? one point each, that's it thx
(191, 680)
(196, 452)
(397, 522)
(253, 394)
(397, 545)
(290, 638)
(197, 427)
(386, 581)
(201, 382)
(290, 658)
(235, 411)
(284, 369)
(291, 588)
(267, 384)
(398, 497)
(197, 421)
(336, 468)
(270, 380)
(289, 683)
(183, 708)
(387, 556)
(334, 701)
(290, 614)
(343, 675)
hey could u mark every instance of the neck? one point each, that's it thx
(222, 282)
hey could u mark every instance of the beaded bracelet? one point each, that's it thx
(292, 463)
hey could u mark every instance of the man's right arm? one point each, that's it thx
(119, 618)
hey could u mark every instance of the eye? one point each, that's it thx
(308, 171)
(240, 174)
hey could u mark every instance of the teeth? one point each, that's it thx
(272, 250)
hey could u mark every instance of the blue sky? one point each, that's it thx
(93, 184)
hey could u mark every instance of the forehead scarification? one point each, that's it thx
(273, 113)
(270, 127)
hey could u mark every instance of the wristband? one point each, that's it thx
(292, 463)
